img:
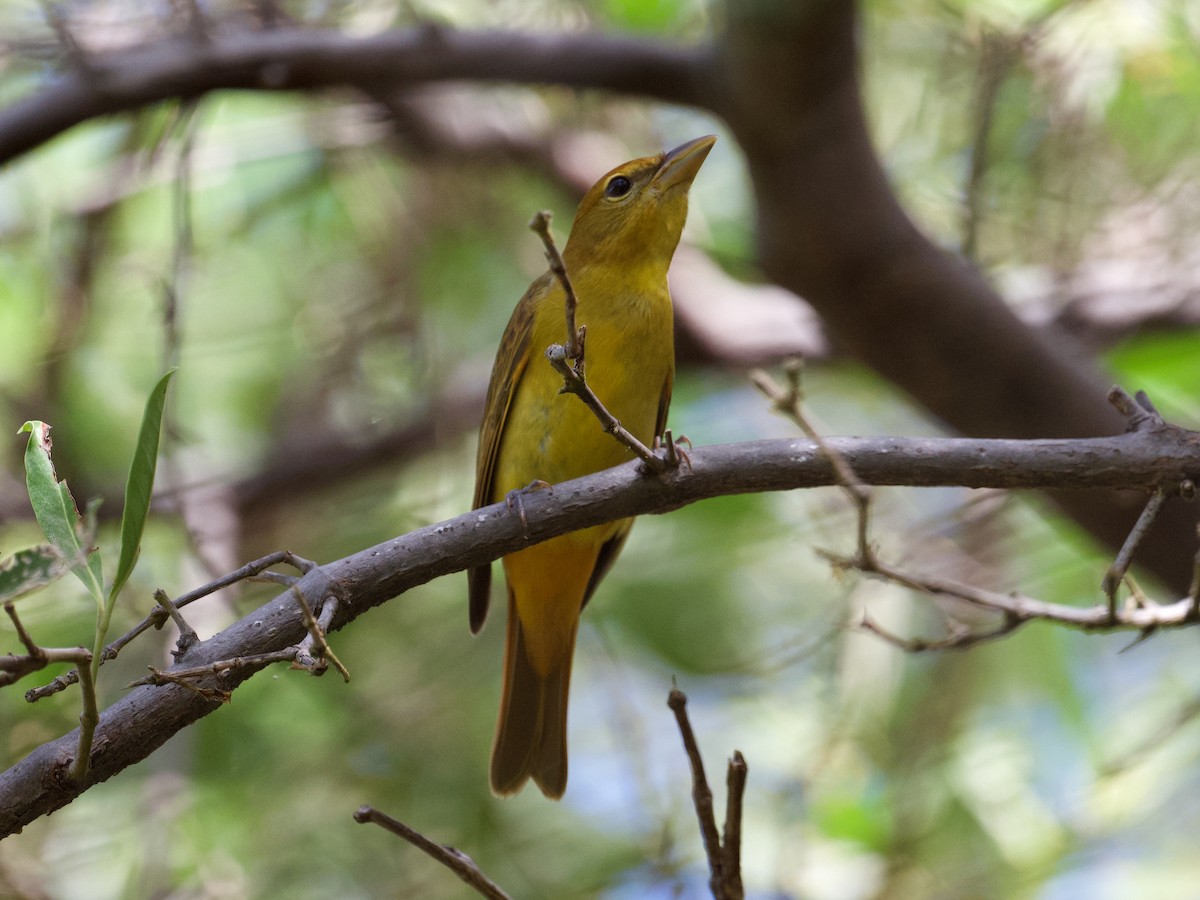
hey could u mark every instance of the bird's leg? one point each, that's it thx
(513, 499)
(673, 452)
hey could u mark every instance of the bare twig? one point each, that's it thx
(220, 668)
(735, 782)
(724, 861)
(273, 578)
(1018, 609)
(13, 668)
(540, 224)
(159, 616)
(789, 401)
(1116, 572)
(313, 654)
(1143, 417)
(22, 634)
(674, 454)
(702, 796)
(454, 860)
(569, 361)
(575, 383)
(959, 637)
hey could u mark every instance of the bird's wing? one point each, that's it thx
(511, 360)
(664, 403)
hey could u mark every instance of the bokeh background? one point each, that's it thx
(332, 278)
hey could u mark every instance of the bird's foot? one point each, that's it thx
(670, 450)
(513, 500)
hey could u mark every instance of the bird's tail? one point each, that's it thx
(531, 734)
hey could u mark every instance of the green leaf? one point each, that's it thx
(27, 570)
(140, 484)
(55, 510)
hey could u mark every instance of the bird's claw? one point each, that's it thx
(670, 451)
(513, 499)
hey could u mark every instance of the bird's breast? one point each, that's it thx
(629, 357)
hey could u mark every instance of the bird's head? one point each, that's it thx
(635, 213)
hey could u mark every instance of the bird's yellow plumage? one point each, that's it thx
(621, 243)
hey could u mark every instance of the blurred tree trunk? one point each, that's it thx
(831, 229)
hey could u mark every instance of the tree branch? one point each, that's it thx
(290, 59)
(784, 76)
(133, 727)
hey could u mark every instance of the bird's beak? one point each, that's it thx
(680, 166)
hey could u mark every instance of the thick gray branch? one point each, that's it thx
(140, 722)
(295, 59)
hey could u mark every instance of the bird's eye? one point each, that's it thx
(618, 186)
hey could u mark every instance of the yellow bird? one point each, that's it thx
(621, 243)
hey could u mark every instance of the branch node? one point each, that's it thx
(1187, 490)
(187, 635)
(1138, 410)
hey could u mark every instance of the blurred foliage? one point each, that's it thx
(327, 281)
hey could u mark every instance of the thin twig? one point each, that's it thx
(312, 654)
(1116, 572)
(575, 383)
(959, 637)
(13, 668)
(159, 616)
(702, 797)
(541, 226)
(735, 782)
(314, 651)
(220, 668)
(569, 359)
(454, 860)
(22, 634)
(1019, 609)
(185, 678)
(273, 578)
(789, 401)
